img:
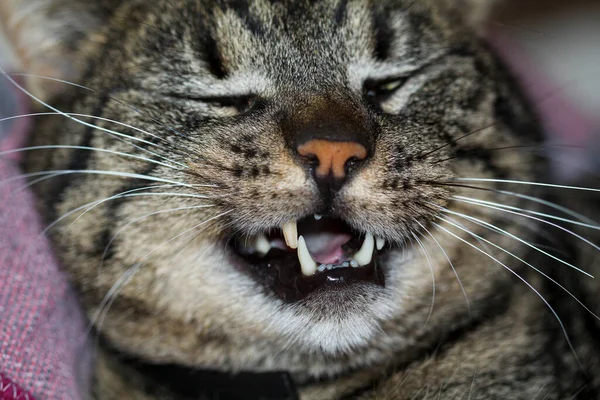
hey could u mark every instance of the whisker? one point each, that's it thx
(66, 115)
(55, 173)
(594, 226)
(538, 200)
(450, 142)
(102, 309)
(432, 277)
(104, 306)
(123, 228)
(451, 265)
(100, 119)
(538, 149)
(529, 285)
(550, 204)
(146, 195)
(97, 92)
(524, 262)
(493, 227)
(476, 202)
(32, 148)
(109, 131)
(551, 185)
(96, 203)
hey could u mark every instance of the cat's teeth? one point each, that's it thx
(318, 216)
(290, 234)
(379, 243)
(262, 245)
(307, 264)
(364, 255)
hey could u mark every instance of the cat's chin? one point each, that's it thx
(312, 258)
(338, 321)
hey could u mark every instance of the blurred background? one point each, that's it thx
(553, 45)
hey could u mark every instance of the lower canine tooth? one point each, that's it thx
(364, 255)
(290, 234)
(379, 242)
(307, 264)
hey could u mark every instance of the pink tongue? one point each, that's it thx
(326, 248)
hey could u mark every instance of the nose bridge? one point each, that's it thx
(329, 134)
(329, 118)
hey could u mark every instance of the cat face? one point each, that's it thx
(284, 185)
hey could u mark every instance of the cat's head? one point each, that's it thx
(353, 124)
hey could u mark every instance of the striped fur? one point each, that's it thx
(164, 287)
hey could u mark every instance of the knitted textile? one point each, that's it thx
(42, 329)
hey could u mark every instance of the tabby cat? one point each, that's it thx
(322, 199)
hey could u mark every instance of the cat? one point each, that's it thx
(326, 199)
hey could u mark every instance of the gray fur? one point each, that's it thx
(190, 303)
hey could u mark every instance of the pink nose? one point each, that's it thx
(332, 156)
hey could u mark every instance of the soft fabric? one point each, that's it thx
(42, 329)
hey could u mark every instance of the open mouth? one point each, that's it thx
(312, 254)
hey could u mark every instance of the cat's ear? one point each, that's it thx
(47, 37)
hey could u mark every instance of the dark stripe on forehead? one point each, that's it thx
(213, 58)
(205, 43)
(341, 12)
(383, 34)
(242, 9)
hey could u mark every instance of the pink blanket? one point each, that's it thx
(42, 330)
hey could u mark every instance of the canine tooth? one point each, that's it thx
(307, 264)
(379, 242)
(290, 234)
(364, 255)
(318, 216)
(262, 244)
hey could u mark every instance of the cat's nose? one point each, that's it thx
(332, 159)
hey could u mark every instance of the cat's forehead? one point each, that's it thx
(295, 41)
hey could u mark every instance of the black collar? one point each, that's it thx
(184, 383)
(179, 382)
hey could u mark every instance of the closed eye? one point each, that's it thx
(376, 92)
(240, 104)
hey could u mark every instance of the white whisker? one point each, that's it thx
(97, 172)
(491, 226)
(95, 91)
(451, 265)
(96, 203)
(118, 134)
(528, 183)
(432, 277)
(104, 306)
(541, 214)
(524, 262)
(88, 116)
(478, 203)
(133, 221)
(550, 204)
(529, 285)
(118, 153)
